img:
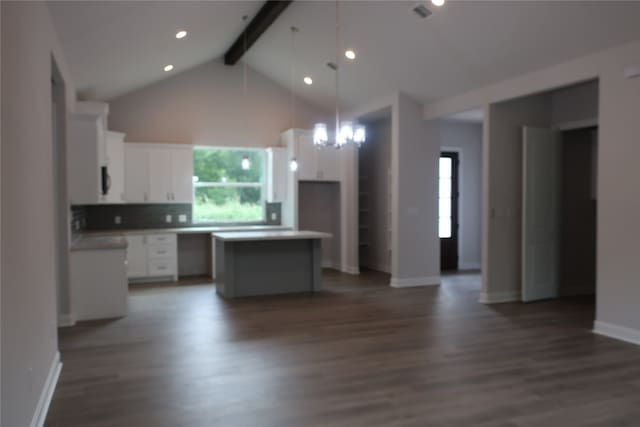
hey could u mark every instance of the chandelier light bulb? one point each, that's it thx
(359, 134)
(320, 135)
(346, 130)
(293, 165)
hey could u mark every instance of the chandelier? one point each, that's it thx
(345, 132)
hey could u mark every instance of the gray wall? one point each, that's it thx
(466, 139)
(415, 152)
(575, 103)
(205, 106)
(28, 327)
(374, 165)
(319, 210)
(501, 255)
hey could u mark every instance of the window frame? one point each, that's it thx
(263, 186)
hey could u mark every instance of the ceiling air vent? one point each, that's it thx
(421, 10)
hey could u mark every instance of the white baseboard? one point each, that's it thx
(66, 320)
(330, 264)
(412, 282)
(384, 268)
(47, 392)
(499, 297)
(618, 332)
(469, 266)
(349, 269)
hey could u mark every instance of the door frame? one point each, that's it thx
(460, 152)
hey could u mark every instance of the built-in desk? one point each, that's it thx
(254, 263)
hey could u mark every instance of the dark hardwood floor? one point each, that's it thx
(359, 354)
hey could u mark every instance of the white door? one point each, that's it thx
(540, 213)
(136, 256)
(136, 175)
(160, 185)
(182, 175)
(307, 157)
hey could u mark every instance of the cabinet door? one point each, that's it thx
(182, 175)
(160, 185)
(329, 164)
(136, 256)
(115, 165)
(307, 157)
(136, 175)
(278, 172)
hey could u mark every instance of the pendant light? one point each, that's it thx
(346, 131)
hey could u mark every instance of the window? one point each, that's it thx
(226, 187)
(445, 180)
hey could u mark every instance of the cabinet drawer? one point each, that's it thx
(160, 251)
(162, 267)
(154, 239)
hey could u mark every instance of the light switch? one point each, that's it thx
(182, 218)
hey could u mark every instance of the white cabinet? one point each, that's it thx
(278, 173)
(152, 256)
(314, 164)
(136, 174)
(158, 173)
(115, 166)
(86, 153)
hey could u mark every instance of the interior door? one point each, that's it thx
(540, 213)
(448, 195)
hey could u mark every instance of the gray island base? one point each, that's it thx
(268, 262)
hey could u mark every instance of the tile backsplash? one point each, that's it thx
(130, 216)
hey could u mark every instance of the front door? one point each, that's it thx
(448, 210)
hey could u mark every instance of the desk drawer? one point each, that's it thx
(155, 239)
(161, 251)
(162, 267)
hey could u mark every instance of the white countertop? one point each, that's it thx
(185, 230)
(95, 243)
(244, 236)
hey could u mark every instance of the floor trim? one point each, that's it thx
(351, 270)
(412, 282)
(621, 333)
(47, 392)
(499, 297)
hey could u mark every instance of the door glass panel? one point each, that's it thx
(444, 228)
(445, 208)
(444, 187)
(445, 167)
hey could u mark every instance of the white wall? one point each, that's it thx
(415, 149)
(29, 334)
(466, 139)
(205, 105)
(618, 295)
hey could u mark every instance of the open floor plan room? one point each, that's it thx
(338, 213)
(359, 354)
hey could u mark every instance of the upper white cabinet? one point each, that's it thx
(158, 173)
(277, 174)
(115, 166)
(314, 164)
(86, 153)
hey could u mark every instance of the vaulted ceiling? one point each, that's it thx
(114, 47)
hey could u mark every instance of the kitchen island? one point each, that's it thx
(268, 262)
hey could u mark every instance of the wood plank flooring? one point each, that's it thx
(359, 354)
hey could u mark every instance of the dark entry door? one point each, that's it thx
(448, 210)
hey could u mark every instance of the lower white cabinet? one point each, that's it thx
(152, 256)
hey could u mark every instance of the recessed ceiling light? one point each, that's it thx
(437, 2)
(308, 80)
(168, 67)
(181, 34)
(350, 54)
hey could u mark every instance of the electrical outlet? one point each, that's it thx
(274, 216)
(117, 219)
(182, 218)
(168, 218)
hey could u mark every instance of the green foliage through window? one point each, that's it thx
(223, 190)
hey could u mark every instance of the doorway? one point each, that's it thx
(559, 213)
(448, 203)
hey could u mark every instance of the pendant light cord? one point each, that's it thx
(294, 30)
(337, 71)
